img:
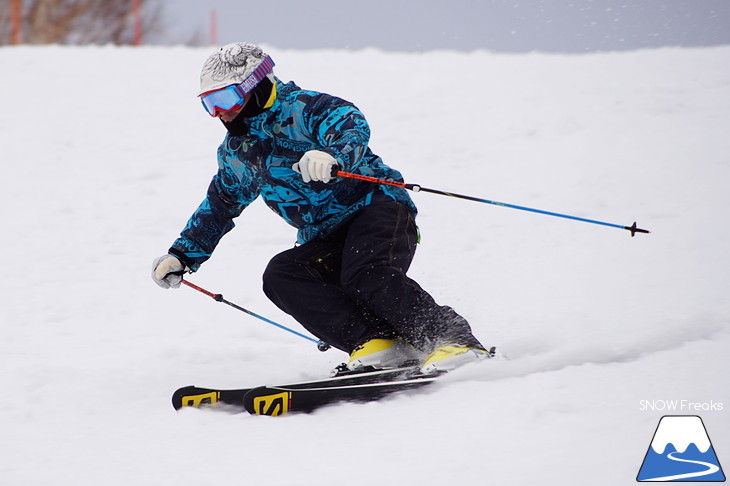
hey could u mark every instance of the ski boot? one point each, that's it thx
(448, 357)
(379, 354)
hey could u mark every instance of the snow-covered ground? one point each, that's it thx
(106, 151)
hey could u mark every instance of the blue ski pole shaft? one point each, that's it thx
(417, 188)
(321, 345)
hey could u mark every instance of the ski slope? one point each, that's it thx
(106, 151)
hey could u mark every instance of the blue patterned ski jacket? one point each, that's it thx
(260, 163)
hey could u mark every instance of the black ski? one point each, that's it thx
(232, 399)
(307, 396)
(279, 400)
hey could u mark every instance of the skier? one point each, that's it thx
(345, 280)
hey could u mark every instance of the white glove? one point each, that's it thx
(167, 271)
(315, 165)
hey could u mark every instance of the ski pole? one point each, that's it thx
(321, 345)
(417, 188)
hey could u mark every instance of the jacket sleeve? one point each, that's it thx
(341, 129)
(226, 198)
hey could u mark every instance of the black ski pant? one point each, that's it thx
(351, 286)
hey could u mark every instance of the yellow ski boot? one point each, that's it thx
(448, 357)
(379, 354)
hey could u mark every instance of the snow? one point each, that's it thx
(106, 152)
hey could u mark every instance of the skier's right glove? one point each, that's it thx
(167, 271)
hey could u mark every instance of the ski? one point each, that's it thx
(308, 396)
(275, 400)
(232, 399)
(195, 396)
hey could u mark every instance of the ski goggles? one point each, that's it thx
(233, 96)
(224, 99)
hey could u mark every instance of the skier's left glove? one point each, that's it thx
(167, 271)
(315, 165)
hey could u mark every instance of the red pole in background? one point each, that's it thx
(137, 19)
(15, 14)
(214, 27)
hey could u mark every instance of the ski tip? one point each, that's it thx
(180, 394)
(193, 396)
(265, 400)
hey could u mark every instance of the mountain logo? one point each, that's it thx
(681, 451)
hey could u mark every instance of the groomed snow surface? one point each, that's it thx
(106, 151)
